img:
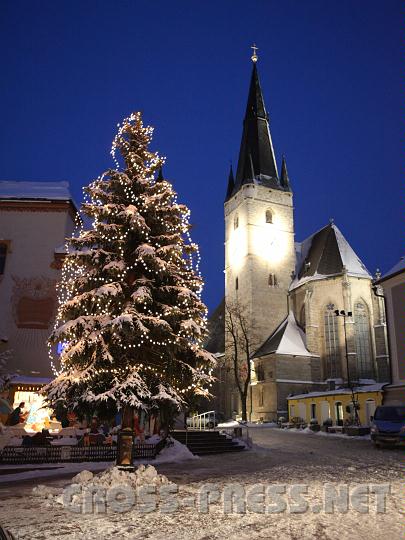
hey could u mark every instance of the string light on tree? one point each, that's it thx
(130, 313)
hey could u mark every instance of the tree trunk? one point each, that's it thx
(243, 399)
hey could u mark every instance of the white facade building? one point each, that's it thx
(35, 219)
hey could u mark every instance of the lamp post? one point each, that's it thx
(343, 313)
(125, 442)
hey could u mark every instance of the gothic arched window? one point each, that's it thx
(331, 343)
(365, 369)
(269, 216)
(236, 222)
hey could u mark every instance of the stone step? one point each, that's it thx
(207, 442)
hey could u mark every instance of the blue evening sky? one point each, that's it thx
(331, 73)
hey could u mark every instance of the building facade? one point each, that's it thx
(35, 219)
(291, 294)
(392, 286)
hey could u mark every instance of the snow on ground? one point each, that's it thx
(235, 423)
(308, 431)
(175, 453)
(282, 458)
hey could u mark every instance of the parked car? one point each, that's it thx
(388, 425)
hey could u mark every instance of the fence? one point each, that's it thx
(19, 455)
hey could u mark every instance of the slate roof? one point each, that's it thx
(257, 163)
(326, 253)
(287, 339)
(396, 269)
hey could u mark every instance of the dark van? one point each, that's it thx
(388, 425)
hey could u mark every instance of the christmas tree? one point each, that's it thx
(131, 321)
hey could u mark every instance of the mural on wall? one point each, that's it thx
(34, 302)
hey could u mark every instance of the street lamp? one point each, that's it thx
(125, 440)
(345, 315)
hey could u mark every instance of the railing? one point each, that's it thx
(240, 432)
(203, 421)
(60, 454)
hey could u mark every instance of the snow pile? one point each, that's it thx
(114, 477)
(175, 452)
(309, 431)
(46, 492)
(235, 423)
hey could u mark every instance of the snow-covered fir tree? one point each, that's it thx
(130, 319)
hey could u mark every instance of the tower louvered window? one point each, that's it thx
(331, 343)
(269, 216)
(365, 369)
(236, 222)
(272, 280)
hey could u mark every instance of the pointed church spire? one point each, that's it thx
(160, 176)
(231, 184)
(284, 180)
(256, 156)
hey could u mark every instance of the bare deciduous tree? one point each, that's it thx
(240, 340)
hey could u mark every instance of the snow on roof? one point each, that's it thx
(326, 253)
(60, 249)
(287, 339)
(23, 379)
(52, 191)
(357, 390)
(396, 269)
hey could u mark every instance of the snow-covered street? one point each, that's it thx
(278, 457)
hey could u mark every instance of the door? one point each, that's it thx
(370, 410)
(302, 411)
(339, 413)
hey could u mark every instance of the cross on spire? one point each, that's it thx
(254, 56)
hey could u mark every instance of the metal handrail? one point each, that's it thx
(202, 421)
(240, 432)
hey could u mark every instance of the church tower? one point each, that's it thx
(259, 225)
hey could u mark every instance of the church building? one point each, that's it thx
(313, 320)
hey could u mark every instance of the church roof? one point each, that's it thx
(287, 339)
(231, 184)
(257, 163)
(396, 269)
(324, 254)
(216, 330)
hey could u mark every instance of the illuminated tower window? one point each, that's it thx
(272, 280)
